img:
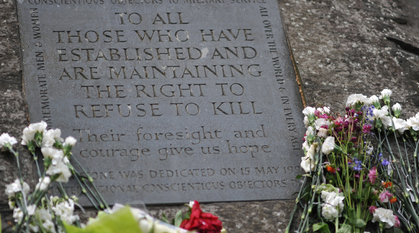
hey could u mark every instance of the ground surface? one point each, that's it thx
(340, 46)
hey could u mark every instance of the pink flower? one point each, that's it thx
(324, 116)
(366, 128)
(397, 223)
(338, 121)
(372, 209)
(384, 196)
(372, 175)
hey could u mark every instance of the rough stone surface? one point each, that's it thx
(340, 47)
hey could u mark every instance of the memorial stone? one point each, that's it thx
(170, 100)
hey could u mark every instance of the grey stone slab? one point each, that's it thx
(169, 100)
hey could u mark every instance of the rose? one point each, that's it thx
(201, 222)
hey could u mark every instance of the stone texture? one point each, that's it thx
(340, 47)
(228, 138)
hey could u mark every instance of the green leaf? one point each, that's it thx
(164, 219)
(360, 223)
(322, 227)
(298, 177)
(345, 229)
(178, 218)
(120, 221)
(0, 223)
(393, 230)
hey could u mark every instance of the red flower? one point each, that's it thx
(201, 222)
(393, 199)
(330, 169)
(387, 184)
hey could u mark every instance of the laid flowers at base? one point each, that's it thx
(39, 211)
(360, 167)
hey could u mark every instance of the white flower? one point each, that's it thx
(396, 107)
(59, 168)
(379, 113)
(29, 132)
(309, 111)
(15, 187)
(17, 214)
(191, 203)
(333, 204)
(65, 210)
(322, 133)
(310, 131)
(382, 114)
(70, 141)
(305, 146)
(320, 122)
(12, 204)
(385, 216)
(50, 136)
(31, 210)
(55, 154)
(374, 99)
(329, 212)
(45, 218)
(43, 183)
(400, 125)
(355, 98)
(307, 162)
(306, 121)
(413, 122)
(334, 199)
(386, 121)
(6, 138)
(385, 93)
(33, 228)
(328, 145)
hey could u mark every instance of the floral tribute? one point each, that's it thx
(40, 211)
(360, 168)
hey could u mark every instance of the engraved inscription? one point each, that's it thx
(169, 100)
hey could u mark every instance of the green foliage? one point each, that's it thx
(178, 218)
(164, 219)
(345, 229)
(322, 227)
(120, 221)
(360, 223)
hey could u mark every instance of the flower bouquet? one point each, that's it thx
(40, 211)
(360, 168)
